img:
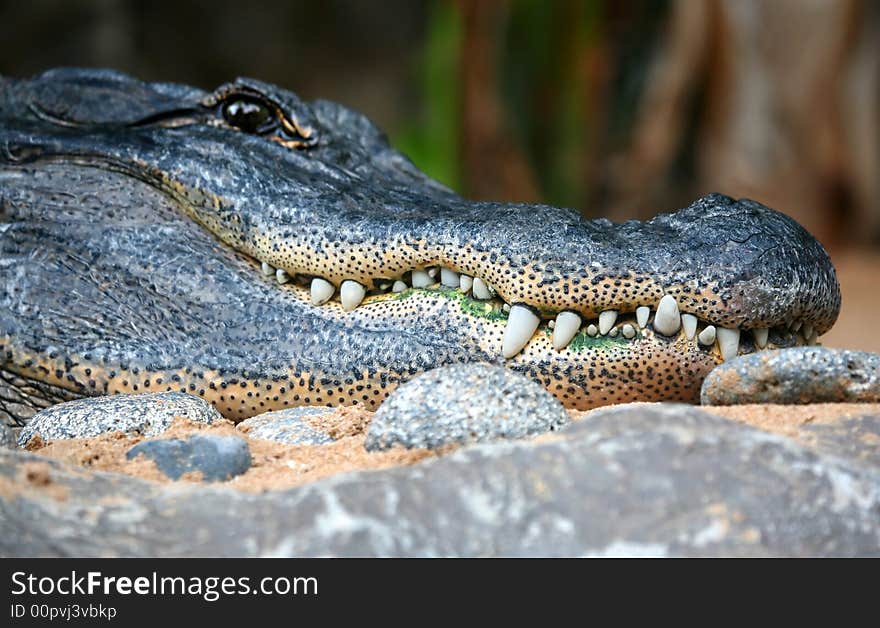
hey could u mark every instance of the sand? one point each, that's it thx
(274, 466)
(277, 466)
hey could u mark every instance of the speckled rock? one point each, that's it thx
(463, 403)
(217, 458)
(148, 414)
(797, 375)
(664, 480)
(7, 437)
(856, 439)
(287, 426)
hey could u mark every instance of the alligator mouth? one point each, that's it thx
(355, 242)
(524, 322)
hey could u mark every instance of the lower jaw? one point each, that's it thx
(592, 371)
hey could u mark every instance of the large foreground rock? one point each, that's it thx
(636, 480)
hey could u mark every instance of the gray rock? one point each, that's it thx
(856, 439)
(797, 375)
(287, 426)
(217, 458)
(463, 403)
(665, 480)
(147, 414)
(7, 436)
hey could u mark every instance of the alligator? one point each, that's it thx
(262, 252)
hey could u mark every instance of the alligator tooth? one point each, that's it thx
(267, 269)
(628, 331)
(432, 272)
(807, 331)
(481, 290)
(689, 322)
(606, 321)
(281, 276)
(449, 278)
(613, 332)
(351, 293)
(667, 320)
(642, 314)
(384, 286)
(707, 336)
(399, 286)
(592, 330)
(761, 335)
(521, 325)
(421, 279)
(466, 283)
(322, 290)
(566, 326)
(506, 308)
(728, 342)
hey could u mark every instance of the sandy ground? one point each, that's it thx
(276, 466)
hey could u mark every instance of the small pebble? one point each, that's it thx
(147, 414)
(287, 426)
(217, 458)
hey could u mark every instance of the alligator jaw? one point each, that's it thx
(107, 289)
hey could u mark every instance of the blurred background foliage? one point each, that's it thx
(619, 108)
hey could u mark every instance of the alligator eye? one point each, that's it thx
(247, 115)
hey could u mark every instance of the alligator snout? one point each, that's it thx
(715, 269)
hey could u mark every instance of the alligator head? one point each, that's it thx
(157, 237)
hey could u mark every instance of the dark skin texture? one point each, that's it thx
(136, 217)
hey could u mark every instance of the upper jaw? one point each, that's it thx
(732, 263)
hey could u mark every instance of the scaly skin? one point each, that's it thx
(136, 217)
